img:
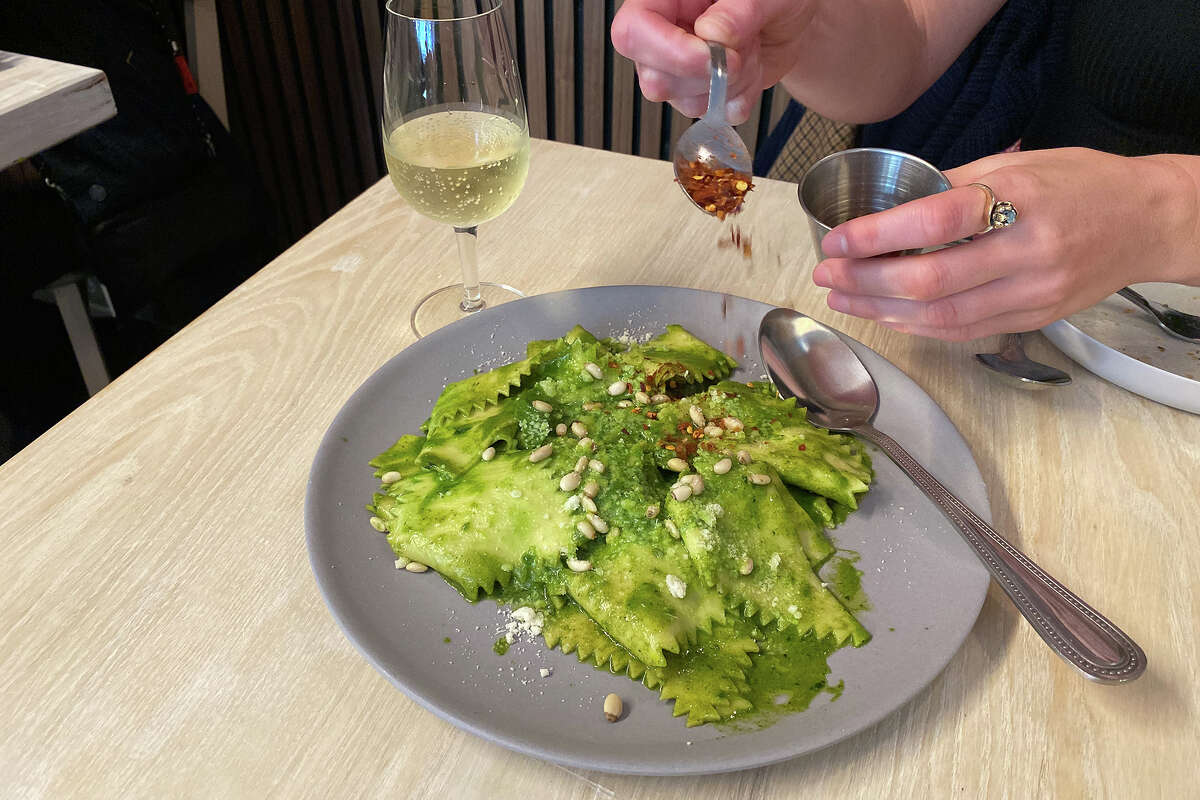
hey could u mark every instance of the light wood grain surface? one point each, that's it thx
(44, 102)
(161, 634)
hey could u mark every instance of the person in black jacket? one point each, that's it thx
(1103, 188)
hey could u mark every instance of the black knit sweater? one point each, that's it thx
(1129, 82)
(1123, 77)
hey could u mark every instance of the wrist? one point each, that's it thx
(1174, 182)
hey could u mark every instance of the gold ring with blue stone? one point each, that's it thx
(1000, 214)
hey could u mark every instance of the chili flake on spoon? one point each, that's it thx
(719, 191)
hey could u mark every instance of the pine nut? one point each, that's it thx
(676, 586)
(652, 511)
(591, 488)
(579, 429)
(674, 531)
(389, 477)
(733, 424)
(543, 406)
(697, 416)
(617, 388)
(681, 492)
(659, 399)
(585, 528)
(677, 465)
(589, 504)
(586, 443)
(723, 466)
(592, 405)
(747, 566)
(542, 453)
(612, 708)
(377, 524)
(743, 457)
(578, 565)
(696, 482)
(642, 398)
(415, 566)
(600, 525)
(581, 464)
(488, 454)
(594, 370)
(714, 431)
(759, 480)
(596, 466)
(624, 404)
(560, 429)
(569, 482)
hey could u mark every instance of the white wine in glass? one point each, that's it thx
(455, 135)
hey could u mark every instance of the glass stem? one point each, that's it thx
(466, 238)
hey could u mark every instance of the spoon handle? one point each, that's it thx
(1072, 628)
(1138, 300)
(715, 114)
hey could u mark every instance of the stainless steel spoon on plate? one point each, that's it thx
(810, 362)
(1178, 324)
(711, 139)
(1012, 362)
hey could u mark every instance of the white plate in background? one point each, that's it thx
(1124, 345)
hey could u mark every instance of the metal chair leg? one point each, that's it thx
(68, 296)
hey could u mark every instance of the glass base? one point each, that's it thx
(443, 306)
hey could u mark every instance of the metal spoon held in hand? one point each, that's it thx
(712, 140)
(810, 362)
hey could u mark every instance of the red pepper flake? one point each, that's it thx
(651, 415)
(738, 240)
(802, 447)
(719, 191)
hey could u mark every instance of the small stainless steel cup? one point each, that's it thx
(854, 183)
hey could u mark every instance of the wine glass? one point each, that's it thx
(455, 135)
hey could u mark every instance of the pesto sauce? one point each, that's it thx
(845, 580)
(789, 670)
(500, 647)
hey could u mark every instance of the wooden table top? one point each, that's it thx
(44, 102)
(161, 633)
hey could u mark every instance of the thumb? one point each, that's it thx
(733, 23)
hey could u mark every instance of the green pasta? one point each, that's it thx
(662, 521)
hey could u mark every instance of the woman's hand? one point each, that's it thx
(1089, 223)
(666, 38)
(849, 60)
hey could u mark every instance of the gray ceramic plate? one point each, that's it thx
(925, 585)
